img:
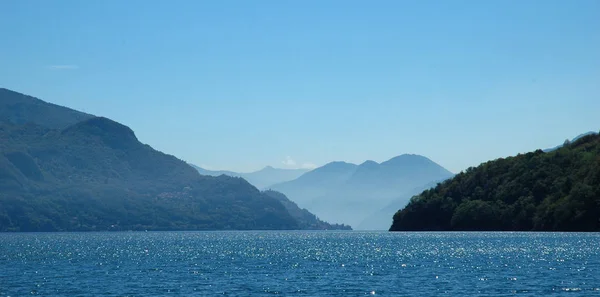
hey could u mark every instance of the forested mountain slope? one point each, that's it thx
(64, 170)
(96, 175)
(553, 191)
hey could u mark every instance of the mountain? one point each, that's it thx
(261, 178)
(349, 193)
(269, 176)
(316, 183)
(94, 174)
(537, 191)
(572, 140)
(305, 219)
(18, 108)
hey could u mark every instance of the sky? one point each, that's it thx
(239, 85)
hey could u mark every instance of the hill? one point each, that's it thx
(96, 175)
(262, 178)
(349, 193)
(553, 191)
(18, 108)
(63, 170)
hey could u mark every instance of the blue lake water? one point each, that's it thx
(301, 263)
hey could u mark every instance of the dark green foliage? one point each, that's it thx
(95, 175)
(306, 220)
(554, 191)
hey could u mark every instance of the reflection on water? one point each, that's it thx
(299, 263)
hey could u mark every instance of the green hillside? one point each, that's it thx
(96, 175)
(554, 191)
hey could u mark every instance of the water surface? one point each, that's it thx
(299, 263)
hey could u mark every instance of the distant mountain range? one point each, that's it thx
(63, 170)
(262, 178)
(349, 193)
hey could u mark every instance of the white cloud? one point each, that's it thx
(308, 166)
(64, 67)
(289, 161)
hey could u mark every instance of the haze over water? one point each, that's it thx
(299, 263)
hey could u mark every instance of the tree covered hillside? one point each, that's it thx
(554, 191)
(96, 175)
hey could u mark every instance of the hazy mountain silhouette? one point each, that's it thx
(262, 178)
(382, 219)
(59, 173)
(348, 193)
(316, 182)
(215, 172)
(305, 219)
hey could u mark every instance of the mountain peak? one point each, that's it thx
(337, 164)
(407, 160)
(407, 157)
(369, 164)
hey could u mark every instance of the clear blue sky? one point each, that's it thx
(243, 84)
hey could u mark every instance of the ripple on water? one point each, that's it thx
(299, 263)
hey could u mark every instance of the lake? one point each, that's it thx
(299, 263)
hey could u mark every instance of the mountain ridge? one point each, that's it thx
(348, 193)
(262, 178)
(93, 174)
(79, 175)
